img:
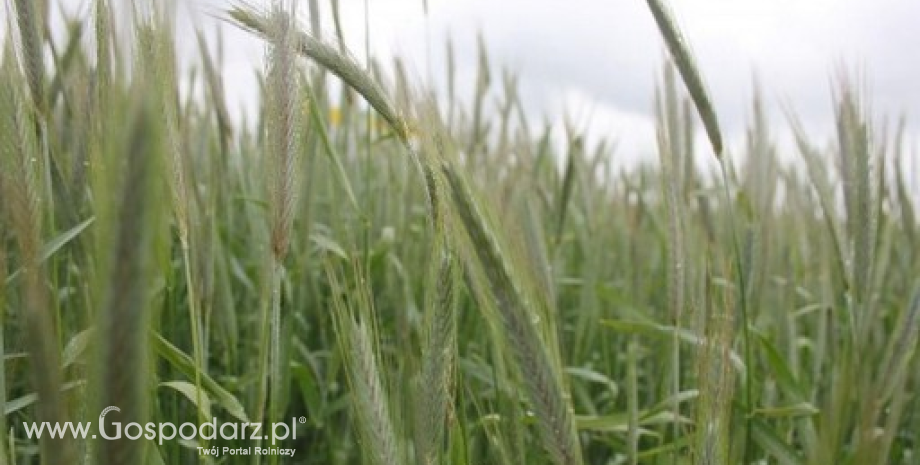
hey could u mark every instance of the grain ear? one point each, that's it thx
(686, 65)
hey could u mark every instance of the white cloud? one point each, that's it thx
(609, 54)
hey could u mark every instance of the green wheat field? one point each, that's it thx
(401, 278)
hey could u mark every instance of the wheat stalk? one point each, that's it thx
(18, 166)
(542, 384)
(331, 58)
(439, 356)
(669, 147)
(125, 320)
(683, 58)
(30, 16)
(354, 326)
(281, 135)
(714, 409)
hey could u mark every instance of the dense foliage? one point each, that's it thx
(408, 279)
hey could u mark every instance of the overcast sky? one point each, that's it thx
(599, 60)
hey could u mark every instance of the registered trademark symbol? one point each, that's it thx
(303, 420)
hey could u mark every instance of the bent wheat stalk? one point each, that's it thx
(331, 58)
(684, 60)
(541, 382)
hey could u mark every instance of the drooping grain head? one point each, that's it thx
(685, 62)
(332, 58)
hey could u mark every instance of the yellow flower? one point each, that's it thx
(335, 117)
